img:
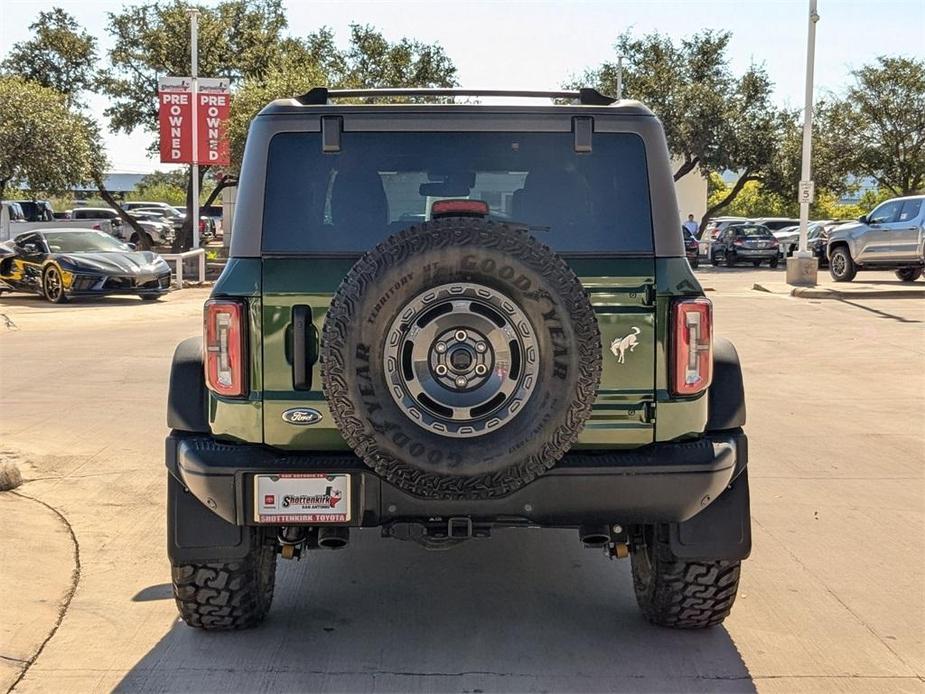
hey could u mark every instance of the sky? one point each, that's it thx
(539, 45)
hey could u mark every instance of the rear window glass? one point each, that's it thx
(759, 232)
(380, 183)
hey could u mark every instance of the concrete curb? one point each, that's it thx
(841, 294)
(824, 293)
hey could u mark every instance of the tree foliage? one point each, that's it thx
(880, 124)
(368, 61)
(61, 55)
(237, 39)
(44, 146)
(714, 120)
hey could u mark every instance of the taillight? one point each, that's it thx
(224, 347)
(692, 320)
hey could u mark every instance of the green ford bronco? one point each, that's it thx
(439, 319)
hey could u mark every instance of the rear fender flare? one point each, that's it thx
(187, 400)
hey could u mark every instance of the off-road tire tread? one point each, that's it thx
(458, 233)
(685, 594)
(223, 596)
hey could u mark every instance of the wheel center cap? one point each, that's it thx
(461, 359)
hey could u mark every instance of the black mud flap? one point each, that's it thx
(722, 531)
(196, 535)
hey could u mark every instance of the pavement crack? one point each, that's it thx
(12, 659)
(75, 579)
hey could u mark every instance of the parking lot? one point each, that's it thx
(831, 598)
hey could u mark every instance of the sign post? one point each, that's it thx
(193, 117)
(194, 60)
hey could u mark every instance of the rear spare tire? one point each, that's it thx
(460, 358)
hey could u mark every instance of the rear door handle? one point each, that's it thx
(301, 362)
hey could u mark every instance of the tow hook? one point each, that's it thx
(618, 547)
(291, 540)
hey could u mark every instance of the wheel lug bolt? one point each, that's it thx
(461, 382)
(480, 347)
(440, 369)
(481, 369)
(461, 335)
(440, 347)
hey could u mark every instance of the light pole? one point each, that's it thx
(802, 268)
(194, 59)
(619, 93)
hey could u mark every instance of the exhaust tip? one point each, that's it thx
(594, 537)
(333, 538)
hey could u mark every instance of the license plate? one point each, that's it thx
(302, 498)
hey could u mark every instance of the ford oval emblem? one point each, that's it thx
(302, 416)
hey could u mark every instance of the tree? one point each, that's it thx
(369, 61)
(881, 123)
(686, 85)
(237, 39)
(61, 56)
(714, 121)
(43, 145)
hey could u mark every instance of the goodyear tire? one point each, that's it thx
(460, 358)
(680, 593)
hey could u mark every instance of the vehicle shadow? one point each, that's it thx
(527, 610)
(36, 301)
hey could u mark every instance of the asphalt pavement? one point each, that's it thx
(832, 598)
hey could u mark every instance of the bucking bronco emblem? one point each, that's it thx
(620, 345)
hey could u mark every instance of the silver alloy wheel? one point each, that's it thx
(53, 285)
(461, 360)
(839, 264)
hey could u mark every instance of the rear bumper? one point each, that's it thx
(659, 483)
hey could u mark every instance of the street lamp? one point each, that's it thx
(802, 268)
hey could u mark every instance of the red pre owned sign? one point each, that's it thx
(176, 119)
(213, 120)
(177, 114)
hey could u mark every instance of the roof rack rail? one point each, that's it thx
(319, 96)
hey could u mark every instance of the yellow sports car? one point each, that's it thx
(64, 263)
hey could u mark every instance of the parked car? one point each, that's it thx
(15, 211)
(745, 243)
(788, 238)
(776, 223)
(63, 263)
(891, 237)
(177, 217)
(438, 389)
(717, 225)
(100, 213)
(159, 230)
(691, 248)
(37, 210)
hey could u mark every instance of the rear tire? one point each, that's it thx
(756, 263)
(909, 274)
(841, 265)
(677, 593)
(774, 263)
(695, 263)
(220, 596)
(730, 259)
